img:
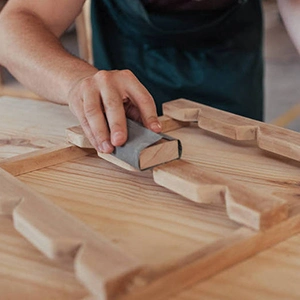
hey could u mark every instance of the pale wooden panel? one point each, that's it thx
(271, 275)
(27, 274)
(29, 125)
(146, 220)
(243, 204)
(97, 191)
(153, 224)
(35, 160)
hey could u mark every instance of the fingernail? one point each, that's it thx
(118, 137)
(106, 147)
(155, 127)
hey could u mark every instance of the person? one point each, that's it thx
(145, 52)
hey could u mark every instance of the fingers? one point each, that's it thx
(142, 99)
(85, 103)
(100, 101)
(96, 120)
(113, 106)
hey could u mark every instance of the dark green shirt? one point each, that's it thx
(212, 57)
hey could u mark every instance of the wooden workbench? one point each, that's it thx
(152, 224)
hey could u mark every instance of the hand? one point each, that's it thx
(101, 103)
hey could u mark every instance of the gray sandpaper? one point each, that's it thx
(139, 138)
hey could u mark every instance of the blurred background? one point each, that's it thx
(282, 70)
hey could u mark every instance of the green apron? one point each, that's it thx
(212, 57)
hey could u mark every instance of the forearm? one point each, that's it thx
(290, 12)
(35, 56)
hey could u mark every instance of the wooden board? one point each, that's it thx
(29, 125)
(268, 137)
(179, 240)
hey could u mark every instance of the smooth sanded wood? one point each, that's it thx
(169, 124)
(101, 266)
(268, 137)
(159, 227)
(239, 246)
(42, 158)
(182, 110)
(244, 205)
(214, 120)
(127, 204)
(159, 153)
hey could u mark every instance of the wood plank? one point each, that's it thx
(159, 153)
(26, 273)
(169, 124)
(157, 226)
(42, 158)
(182, 110)
(158, 280)
(99, 264)
(244, 205)
(241, 245)
(131, 206)
(268, 137)
(279, 141)
(270, 275)
(214, 120)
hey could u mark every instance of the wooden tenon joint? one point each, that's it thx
(100, 265)
(243, 204)
(270, 138)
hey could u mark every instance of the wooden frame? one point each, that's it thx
(122, 276)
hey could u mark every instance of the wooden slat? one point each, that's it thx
(244, 205)
(269, 137)
(237, 247)
(42, 158)
(99, 264)
(169, 124)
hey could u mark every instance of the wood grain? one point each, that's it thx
(26, 273)
(38, 159)
(244, 205)
(30, 125)
(169, 124)
(268, 137)
(159, 153)
(99, 264)
(270, 275)
(161, 229)
(138, 214)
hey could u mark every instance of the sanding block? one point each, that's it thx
(143, 149)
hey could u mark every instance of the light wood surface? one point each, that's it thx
(243, 204)
(29, 125)
(98, 262)
(42, 158)
(160, 228)
(268, 137)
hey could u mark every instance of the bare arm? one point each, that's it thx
(30, 49)
(290, 12)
